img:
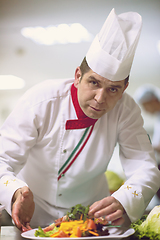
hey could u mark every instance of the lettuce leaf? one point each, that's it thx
(148, 227)
(40, 233)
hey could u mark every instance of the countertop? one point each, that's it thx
(10, 233)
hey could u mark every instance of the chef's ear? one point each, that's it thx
(77, 77)
(126, 85)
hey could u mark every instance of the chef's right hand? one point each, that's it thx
(22, 208)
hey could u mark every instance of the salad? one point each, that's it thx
(75, 223)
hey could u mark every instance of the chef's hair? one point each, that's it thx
(85, 68)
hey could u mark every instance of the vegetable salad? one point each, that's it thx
(75, 224)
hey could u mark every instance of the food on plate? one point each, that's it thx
(148, 226)
(75, 223)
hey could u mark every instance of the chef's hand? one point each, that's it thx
(109, 208)
(22, 208)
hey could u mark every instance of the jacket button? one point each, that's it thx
(64, 151)
(60, 195)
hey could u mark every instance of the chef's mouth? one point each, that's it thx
(96, 109)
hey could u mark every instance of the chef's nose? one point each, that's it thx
(100, 96)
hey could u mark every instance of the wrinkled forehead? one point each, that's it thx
(94, 76)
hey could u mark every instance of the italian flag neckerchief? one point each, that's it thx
(82, 122)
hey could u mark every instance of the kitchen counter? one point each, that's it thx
(10, 233)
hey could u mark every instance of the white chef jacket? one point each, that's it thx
(34, 145)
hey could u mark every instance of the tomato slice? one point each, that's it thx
(49, 228)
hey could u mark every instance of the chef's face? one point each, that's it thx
(97, 95)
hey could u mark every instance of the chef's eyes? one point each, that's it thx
(113, 90)
(94, 83)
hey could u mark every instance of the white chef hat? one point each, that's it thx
(112, 51)
(146, 93)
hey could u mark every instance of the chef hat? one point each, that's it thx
(146, 93)
(112, 51)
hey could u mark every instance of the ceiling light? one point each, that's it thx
(61, 34)
(11, 82)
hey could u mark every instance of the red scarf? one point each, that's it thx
(83, 121)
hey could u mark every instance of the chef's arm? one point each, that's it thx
(22, 208)
(18, 135)
(138, 162)
(139, 165)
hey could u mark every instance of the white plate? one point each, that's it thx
(116, 233)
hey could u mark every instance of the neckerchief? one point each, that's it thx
(83, 121)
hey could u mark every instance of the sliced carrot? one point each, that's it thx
(79, 233)
(91, 224)
(55, 234)
(93, 233)
(60, 234)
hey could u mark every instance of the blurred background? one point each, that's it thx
(35, 58)
(29, 53)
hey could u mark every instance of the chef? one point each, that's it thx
(56, 144)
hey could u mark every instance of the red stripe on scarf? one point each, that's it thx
(83, 121)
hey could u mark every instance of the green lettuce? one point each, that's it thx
(148, 227)
(40, 233)
(78, 211)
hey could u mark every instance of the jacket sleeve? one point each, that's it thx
(17, 135)
(138, 161)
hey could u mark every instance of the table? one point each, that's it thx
(10, 233)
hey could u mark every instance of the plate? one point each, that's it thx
(116, 233)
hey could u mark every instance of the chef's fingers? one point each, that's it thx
(95, 207)
(15, 214)
(112, 211)
(118, 222)
(116, 218)
(109, 207)
(20, 225)
(16, 221)
(26, 227)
